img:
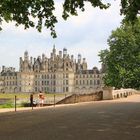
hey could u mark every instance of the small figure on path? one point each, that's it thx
(41, 99)
(31, 100)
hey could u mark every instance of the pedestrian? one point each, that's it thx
(41, 99)
(31, 100)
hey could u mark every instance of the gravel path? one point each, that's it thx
(104, 120)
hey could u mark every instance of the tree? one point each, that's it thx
(130, 8)
(122, 60)
(25, 11)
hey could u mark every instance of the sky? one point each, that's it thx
(85, 34)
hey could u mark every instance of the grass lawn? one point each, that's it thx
(25, 98)
(27, 95)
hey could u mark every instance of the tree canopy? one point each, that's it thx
(25, 11)
(122, 60)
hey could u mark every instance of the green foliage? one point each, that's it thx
(26, 11)
(123, 58)
(39, 13)
(70, 6)
(130, 8)
(7, 105)
(103, 54)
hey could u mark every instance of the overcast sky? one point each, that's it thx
(86, 34)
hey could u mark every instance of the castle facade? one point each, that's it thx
(60, 73)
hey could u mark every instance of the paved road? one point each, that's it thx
(106, 120)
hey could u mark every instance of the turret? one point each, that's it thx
(84, 64)
(43, 57)
(3, 68)
(64, 52)
(60, 54)
(72, 58)
(54, 50)
(26, 57)
(31, 60)
(79, 58)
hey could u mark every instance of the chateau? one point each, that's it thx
(60, 73)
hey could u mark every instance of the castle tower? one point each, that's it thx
(60, 54)
(54, 50)
(31, 63)
(79, 58)
(64, 53)
(26, 57)
(84, 64)
(72, 58)
(20, 64)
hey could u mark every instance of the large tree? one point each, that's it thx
(122, 60)
(25, 11)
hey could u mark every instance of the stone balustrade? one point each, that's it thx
(110, 93)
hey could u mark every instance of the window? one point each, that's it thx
(67, 76)
(54, 83)
(42, 76)
(35, 82)
(83, 82)
(48, 76)
(94, 82)
(38, 82)
(67, 89)
(19, 88)
(67, 64)
(54, 76)
(90, 82)
(63, 89)
(42, 82)
(55, 65)
(47, 82)
(67, 82)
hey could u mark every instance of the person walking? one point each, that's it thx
(31, 100)
(41, 99)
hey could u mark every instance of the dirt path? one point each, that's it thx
(105, 120)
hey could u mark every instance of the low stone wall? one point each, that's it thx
(75, 98)
(109, 93)
(123, 93)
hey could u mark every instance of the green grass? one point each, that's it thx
(27, 95)
(12, 95)
(7, 105)
(23, 98)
